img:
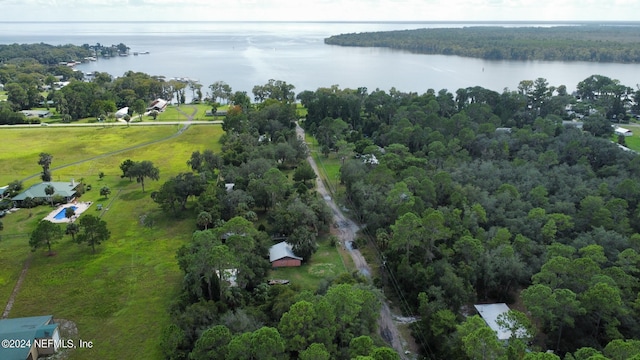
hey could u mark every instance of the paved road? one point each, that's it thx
(347, 230)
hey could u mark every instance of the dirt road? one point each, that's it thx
(346, 232)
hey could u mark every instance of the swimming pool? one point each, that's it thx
(60, 214)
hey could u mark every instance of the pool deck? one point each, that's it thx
(80, 208)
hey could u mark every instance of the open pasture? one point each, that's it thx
(118, 297)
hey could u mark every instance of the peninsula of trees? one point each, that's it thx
(51, 55)
(562, 43)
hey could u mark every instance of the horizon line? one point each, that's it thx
(336, 21)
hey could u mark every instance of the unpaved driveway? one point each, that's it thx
(346, 232)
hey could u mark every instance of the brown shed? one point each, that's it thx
(281, 255)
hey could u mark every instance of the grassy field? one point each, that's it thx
(20, 148)
(632, 142)
(329, 167)
(118, 297)
(122, 292)
(173, 113)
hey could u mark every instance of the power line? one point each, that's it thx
(382, 263)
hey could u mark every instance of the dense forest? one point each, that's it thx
(470, 197)
(49, 55)
(224, 314)
(44, 54)
(485, 197)
(562, 43)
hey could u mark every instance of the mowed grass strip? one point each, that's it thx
(119, 296)
(329, 166)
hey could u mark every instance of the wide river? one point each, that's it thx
(244, 54)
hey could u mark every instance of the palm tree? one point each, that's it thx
(204, 219)
(50, 190)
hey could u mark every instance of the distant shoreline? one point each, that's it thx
(586, 42)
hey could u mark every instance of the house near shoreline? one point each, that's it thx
(281, 255)
(33, 331)
(65, 189)
(158, 105)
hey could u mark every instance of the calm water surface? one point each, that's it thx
(244, 54)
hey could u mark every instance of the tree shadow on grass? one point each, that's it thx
(134, 195)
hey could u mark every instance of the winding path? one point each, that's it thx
(347, 230)
(16, 288)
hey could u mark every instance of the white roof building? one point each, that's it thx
(490, 314)
(623, 131)
(122, 112)
(158, 105)
(282, 250)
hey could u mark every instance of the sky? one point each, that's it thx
(320, 10)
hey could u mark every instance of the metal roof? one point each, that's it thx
(490, 313)
(26, 328)
(282, 250)
(65, 189)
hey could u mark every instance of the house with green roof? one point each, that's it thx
(24, 332)
(3, 191)
(65, 189)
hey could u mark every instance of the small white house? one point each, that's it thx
(623, 131)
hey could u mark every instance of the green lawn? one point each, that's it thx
(21, 147)
(169, 156)
(172, 113)
(329, 166)
(325, 263)
(632, 142)
(119, 296)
